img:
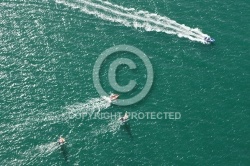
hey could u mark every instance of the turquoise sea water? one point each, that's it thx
(47, 53)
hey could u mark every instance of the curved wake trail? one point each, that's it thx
(91, 106)
(137, 19)
(77, 110)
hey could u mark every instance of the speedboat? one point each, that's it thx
(209, 39)
(110, 98)
(113, 97)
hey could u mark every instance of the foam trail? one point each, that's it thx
(113, 126)
(91, 106)
(40, 151)
(72, 111)
(47, 148)
(137, 19)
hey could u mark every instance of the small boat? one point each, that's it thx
(113, 97)
(124, 118)
(61, 141)
(209, 39)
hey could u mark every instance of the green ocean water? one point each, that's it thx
(47, 53)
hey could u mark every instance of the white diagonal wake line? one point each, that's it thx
(137, 19)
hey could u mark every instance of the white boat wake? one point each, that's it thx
(137, 19)
(47, 148)
(74, 111)
(91, 106)
(112, 127)
(39, 151)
